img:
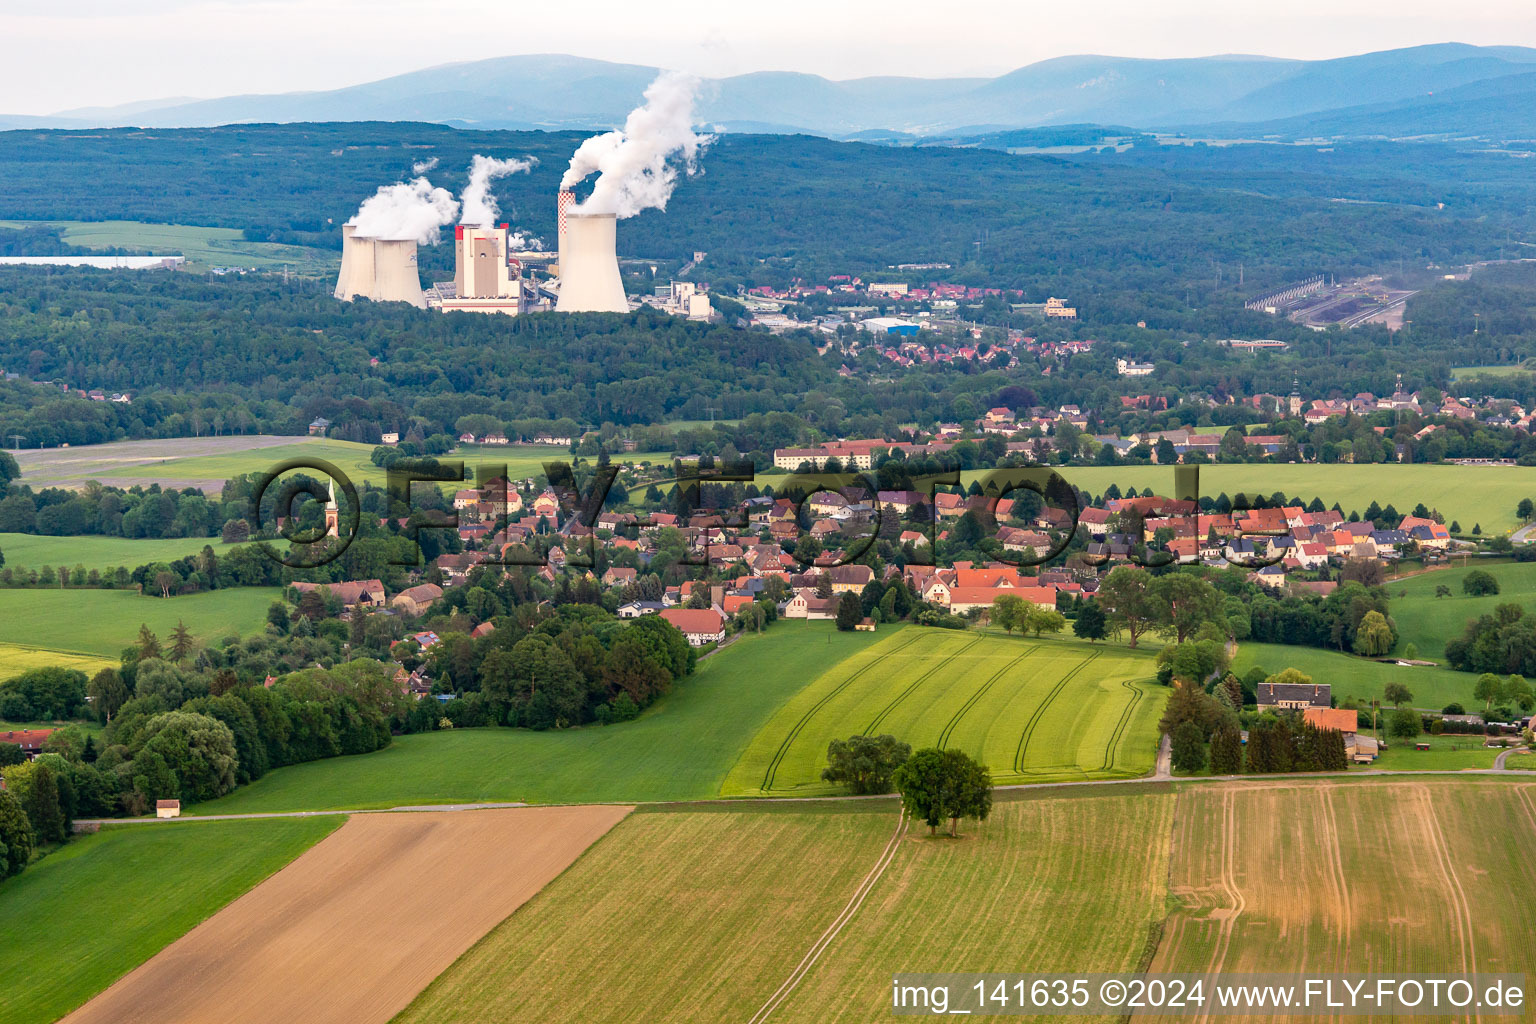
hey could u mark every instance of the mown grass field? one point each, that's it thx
(1389, 876)
(101, 623)
(680, 748)
(202, 246)
(1360, 678)
(1429, 621)
(29, 551)
(700, 916)
(1031, 710)
(1445, 753)
(80, 918)
(1470, 495)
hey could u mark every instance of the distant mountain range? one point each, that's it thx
(1444, 89)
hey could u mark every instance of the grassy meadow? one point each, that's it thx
(1471, 495)
(100, 623)
(1032, 710)
(1429, 621)
(695, 916)
(1445, 754)
(18, 658)
(1360, 678)
(680, 748)
(30, 551)
(80, 918)
(202, 246)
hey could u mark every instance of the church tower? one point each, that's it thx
(332, 514)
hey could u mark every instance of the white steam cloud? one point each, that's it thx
(632, 164)
(521, 240)
(422, 167)
(407, 210)
(479, 205)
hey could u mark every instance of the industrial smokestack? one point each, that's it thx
(563, 204)
(383, 270)
(589, 266)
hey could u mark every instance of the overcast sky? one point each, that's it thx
(61, 54)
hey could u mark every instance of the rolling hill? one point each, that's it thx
(558, 91)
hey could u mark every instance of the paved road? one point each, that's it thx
(1500, 766)
(1524, 535)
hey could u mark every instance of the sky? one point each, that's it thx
(65, 54)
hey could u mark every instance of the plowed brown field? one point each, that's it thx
(351, 931)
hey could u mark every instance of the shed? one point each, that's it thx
(167, 808)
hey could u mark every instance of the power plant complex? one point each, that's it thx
(490, 273)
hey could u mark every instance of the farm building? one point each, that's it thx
(699, 625)
(29, 740)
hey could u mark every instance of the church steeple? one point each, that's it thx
(332, 513)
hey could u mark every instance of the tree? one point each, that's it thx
(1404, 723)
(1397, 694)
(938, 784)
(1008, 611)
(1043, 620)
(850, 612)
(865, 764)
(1090, 622)
(1488, 689)
(1441, 590)
(16, 836)
(149, 644)
(277, 616)
(1479, 583)
(1525, 510)
(1226, 750)
(1373, 637)
(1518, 690)
(183, 645)
(37, 788)
(199, 749)
(1188, 747)
(107, 693)
(1128, 601)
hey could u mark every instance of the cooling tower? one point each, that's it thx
(378, 269)
(356, 277)
(395, 278)
(589, 266)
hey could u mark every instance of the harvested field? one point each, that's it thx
(1391, 877)
(351, 931)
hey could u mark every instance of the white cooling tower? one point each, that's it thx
(395, 278)
(356, 277)
(589, 266)
(383, 270)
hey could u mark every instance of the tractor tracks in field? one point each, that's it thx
(771, 774)
(1461, 908)
(869, 730)
(1126, 714)
(981, 691)
(1039, 712)
(1229, 883)
(825, 940)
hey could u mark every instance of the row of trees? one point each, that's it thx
(935, 785)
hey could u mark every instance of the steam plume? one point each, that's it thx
(407, 210)
(632, 163)
(422, 167)
(479, 205)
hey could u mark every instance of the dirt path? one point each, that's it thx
(351, 931)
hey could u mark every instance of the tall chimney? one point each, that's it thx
(589, 266)
(563, 203)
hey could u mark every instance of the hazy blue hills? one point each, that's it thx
(1422, 90)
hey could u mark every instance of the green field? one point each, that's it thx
(688, 916)
(1471, 495)
(1502, 370)
(1429, 621)
(29, 551)
(681, 748)
(103, 622)
(202, 246)
(82, 917)
(1033, 711)
(1359, 678)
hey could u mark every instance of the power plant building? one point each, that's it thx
(487, 278)
(380, 269)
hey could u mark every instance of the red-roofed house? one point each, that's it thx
(699, 625)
